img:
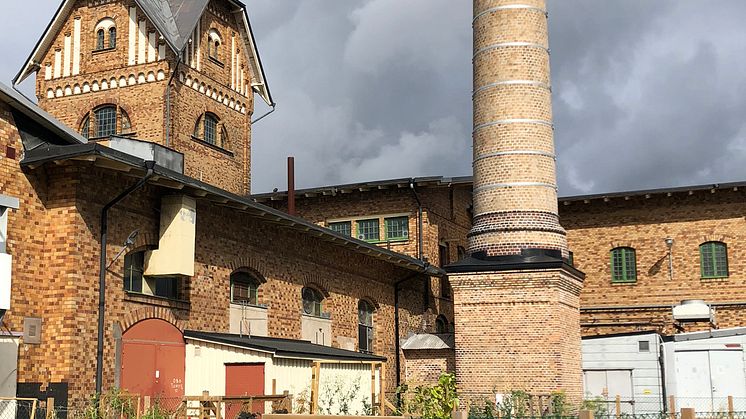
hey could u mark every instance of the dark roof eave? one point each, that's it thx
(43, 155)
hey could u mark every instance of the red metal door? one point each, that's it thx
(244, 380)
(153, 357)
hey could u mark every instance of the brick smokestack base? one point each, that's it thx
(517, 330)
(515, 187)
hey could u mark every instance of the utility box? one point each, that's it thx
(693, 310)
(175, 253)
(6, 268)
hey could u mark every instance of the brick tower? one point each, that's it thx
(516, 298)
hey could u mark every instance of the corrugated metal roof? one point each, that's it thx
(426, 341)
(284, 348)
(721, 333)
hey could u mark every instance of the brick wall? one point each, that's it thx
(140, 89)
(425, 366)
(596, 227)
(517, 330)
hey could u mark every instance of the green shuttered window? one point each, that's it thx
(713, 260)
(623, 265)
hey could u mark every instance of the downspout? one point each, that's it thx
(419, 218)
(661, 361)
(168, 98)
(397, 343)
(102, 271)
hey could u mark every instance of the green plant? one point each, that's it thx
(302, 402)
(559, 405)
(597, 406)
(438, 401)
(514, 404)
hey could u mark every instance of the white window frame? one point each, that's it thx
(6, 203)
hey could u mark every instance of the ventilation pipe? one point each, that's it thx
(291, 185)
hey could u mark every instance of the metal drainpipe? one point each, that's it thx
(168, 99)
(102, 272)
(397, 344)
(419, 219)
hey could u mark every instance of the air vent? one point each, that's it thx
(693, 310)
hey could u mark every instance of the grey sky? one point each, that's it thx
(647, 93)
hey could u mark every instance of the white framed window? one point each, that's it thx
(6, 204)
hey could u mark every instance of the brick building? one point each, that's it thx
(141, 140)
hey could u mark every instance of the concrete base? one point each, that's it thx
(518, 329)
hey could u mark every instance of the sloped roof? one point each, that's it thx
(34, 121)
(427, 341)
(284, 348)
(174, 19)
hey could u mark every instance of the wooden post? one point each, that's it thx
(373, 389)
(382, 391)
(672, 406)
(274, 386)
(33, 409)
(730, 407)
(50, 408)
(687, 413)
(315, 375)
(146, 404)
(618, 406)
(138, 412)
(586, 414)
(288, 402)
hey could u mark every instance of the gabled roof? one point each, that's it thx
(175, 20)
(284, 348)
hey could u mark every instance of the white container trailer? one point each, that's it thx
(704, 368)
(627, 366)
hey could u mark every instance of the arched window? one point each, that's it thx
(211, 129)
(461, 252)
(105, 121)
(623, 265)
(365, 326)
(312, 301)
(100, 35)
(244, 288)
(213, 45)
(85, 126)
(103, 27)
(713, 260)
(112, 37)
(441, 325)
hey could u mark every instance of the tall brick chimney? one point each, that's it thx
(516, 297)
(515, 186)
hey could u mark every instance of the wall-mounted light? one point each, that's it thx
(669, 243)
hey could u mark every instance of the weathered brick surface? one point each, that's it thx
(596, 227)
(517, 330)
(141, 90)
(426, 366)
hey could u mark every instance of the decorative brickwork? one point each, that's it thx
(514, 164)
(138, 79)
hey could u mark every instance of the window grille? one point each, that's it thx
(368, 230)
(713, 258)
(623, 265)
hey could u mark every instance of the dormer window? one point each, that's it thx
(106, 28)
(214, 42)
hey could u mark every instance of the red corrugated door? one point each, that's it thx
(244, 380)
(153, 357)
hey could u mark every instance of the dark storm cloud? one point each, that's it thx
(646, 93)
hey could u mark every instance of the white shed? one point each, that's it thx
(627, 366)
(226, 364)
(704, 368)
